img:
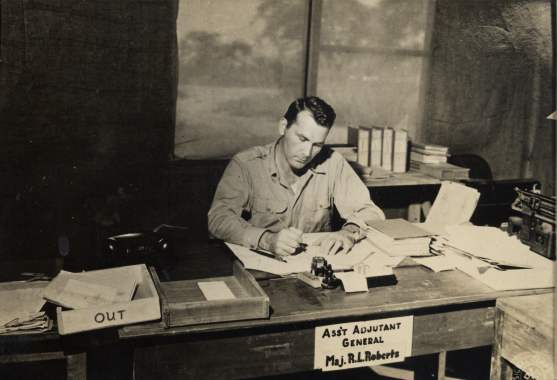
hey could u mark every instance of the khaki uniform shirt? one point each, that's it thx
(251, 185)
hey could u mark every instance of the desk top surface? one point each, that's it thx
(410, 178)
(293, 302)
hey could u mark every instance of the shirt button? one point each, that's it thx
(268, 209)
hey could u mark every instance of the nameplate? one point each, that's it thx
(363, 344)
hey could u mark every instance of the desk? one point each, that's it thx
(451, 312)
(524, 336)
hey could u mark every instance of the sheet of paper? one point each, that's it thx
(372, 270)
(78, 290)
(215, 290)
(302, 262)
(79, 294)
(253, 260)
(454, 204)
(381, 259)
(436, 263)
(352, 281)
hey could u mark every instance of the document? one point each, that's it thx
(454, 204)
(302, 261)
(87, 289)
(498, 260)
(20, 303)
(436, 263)
(79, 294)
(352, 281)
(215, 290)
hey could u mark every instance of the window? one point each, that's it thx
(242, 62)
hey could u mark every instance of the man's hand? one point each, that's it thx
(335, 242)
(282, 243)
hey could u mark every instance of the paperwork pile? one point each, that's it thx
(88, 289)
(20, 310)
(495, 258)
(398, 237)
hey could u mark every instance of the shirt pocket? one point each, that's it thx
(320, 213)
(268, 213)
(269, 206)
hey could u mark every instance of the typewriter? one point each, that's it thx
(536, 226)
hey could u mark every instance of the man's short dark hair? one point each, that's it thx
(321, 111)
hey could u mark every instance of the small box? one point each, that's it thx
(183, 302)
(145, 306)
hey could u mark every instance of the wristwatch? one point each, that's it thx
(356, 232)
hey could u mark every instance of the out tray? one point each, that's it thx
(183, 303)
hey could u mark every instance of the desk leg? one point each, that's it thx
(497, 368)
(441, 365)
(76, 366)
(431, 367)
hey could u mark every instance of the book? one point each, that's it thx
(376, 150)
(387, 149)
(431, 147)
(399, 237)
(426, 158)
(400, 150)
(352, 138)
(397, 229)
(429, 152)
(364, 136)
(442, 170)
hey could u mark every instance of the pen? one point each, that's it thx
(301, 248)
(269, 254)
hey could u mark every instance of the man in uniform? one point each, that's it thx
(270, 195)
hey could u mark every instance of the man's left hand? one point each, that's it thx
(335, 242)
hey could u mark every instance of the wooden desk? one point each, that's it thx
(524, 336)
(451, 312)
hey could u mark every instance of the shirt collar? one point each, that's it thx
(317, 166)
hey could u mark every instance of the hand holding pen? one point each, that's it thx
(283, 243)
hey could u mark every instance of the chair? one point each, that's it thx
(479, 167)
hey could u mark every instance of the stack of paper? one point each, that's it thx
(398, 237)
(20, 310)
(88, 289)
(495, 258)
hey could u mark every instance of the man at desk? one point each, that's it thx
(270, 195)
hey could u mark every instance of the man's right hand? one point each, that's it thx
(282, 243)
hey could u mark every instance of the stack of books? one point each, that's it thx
(431, 159)
(380, 147)
(399, 237)
(442, 170)
(428, 153)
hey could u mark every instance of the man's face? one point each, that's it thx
(303, 140)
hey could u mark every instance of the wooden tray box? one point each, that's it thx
(145, 306)
(183, 303)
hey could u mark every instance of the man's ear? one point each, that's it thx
(282, 126)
